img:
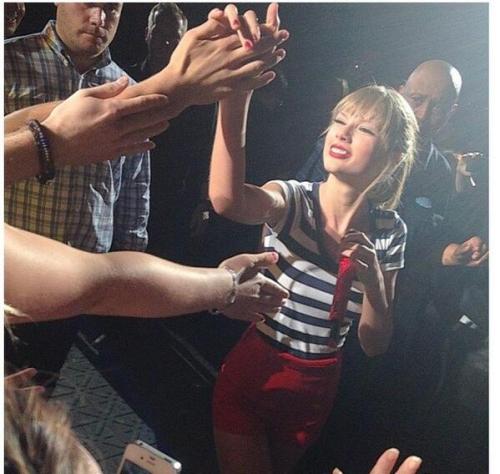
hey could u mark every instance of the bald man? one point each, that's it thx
(432, 90)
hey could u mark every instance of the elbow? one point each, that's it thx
(223, 205)
(374, 343)
(373, 351)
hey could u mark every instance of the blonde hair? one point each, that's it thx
(38, 436)
(398, 131)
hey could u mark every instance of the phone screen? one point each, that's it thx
(131, 468)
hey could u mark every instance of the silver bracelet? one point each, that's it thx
(231, 297)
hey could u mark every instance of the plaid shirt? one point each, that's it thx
(97, 207)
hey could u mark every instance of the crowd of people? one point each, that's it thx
(372, 224)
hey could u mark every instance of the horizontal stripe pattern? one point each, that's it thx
(302, 327)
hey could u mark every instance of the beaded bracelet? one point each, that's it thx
(47, 168)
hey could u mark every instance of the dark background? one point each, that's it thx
(385, 41)
(359, 42)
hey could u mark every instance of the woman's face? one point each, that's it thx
(351, 146)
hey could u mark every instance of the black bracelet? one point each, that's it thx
(47, 168)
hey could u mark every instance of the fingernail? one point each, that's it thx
(248, 44)
(236, 23)
(275, 256)
(281, 54)
(393, 454)
(122, 80)
(284, 35)
(414, 462)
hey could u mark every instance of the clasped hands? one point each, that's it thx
(226, 54)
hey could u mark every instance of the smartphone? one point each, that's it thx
(140, 458)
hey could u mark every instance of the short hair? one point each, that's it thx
(398, 130)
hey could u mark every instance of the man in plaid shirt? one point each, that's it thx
(96, 207)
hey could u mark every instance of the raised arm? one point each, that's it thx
(228, 192)
(48, 280)
(210, 63)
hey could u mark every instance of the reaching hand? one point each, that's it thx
(465, 161)
(471, 253)
(92, 125)
(255, 294)
(247, 26)
(464, 176)
(210, 63)
(386, 463)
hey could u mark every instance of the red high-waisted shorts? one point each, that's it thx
(263, 390)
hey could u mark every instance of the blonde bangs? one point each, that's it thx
(397, 128)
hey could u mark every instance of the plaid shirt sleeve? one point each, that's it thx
(131, 210)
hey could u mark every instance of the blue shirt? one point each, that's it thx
(97, 207)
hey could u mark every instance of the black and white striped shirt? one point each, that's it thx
(302, 327)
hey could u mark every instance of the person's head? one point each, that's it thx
(38, 437)
(167, 24)
(371, 143)
(87, 29)
(13, 15)
(432, 90)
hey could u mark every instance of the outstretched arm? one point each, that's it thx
(90, 126)
(210, 63)
(229, 193)
(49, 280)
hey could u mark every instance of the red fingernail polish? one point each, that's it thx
(248, 44)
(236, 23)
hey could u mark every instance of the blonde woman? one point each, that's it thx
(278, 385)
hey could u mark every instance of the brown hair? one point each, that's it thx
(398, 130)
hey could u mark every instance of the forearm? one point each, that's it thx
(167, 82)
(228, 167)
(16, 120)
(145, 286)
(21, 156)
(49, 280)
(376, 323)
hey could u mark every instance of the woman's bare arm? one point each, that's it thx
(48, 280)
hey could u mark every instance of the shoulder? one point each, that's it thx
(291, 189)
(19, 50)
(32, 39)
